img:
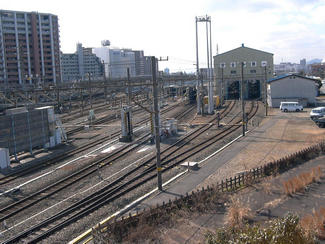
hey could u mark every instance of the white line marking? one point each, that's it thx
(143, 149)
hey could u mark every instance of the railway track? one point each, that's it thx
(98, 107)
(11, 177)
(90, 203)
(111, 118)
(54, 188)
(50, 190)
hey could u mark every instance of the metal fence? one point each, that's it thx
(24, 131)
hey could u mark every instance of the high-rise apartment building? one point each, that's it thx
(139, 63)
(29, 48)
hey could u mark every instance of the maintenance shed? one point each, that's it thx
(291, 88)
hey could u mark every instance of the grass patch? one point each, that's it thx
(285, 230)
(238, 214)
(313, 224)
(299, 183)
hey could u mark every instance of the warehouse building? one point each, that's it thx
(292, 88)
(258, 68)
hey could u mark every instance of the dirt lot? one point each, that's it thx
(278, 135)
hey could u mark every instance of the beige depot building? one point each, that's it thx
(257, 68)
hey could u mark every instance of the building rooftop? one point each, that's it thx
(242, 46)
(288, 75)
(22, 12)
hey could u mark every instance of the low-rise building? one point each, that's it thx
(292, 88)
(318, 70)
(289, 68)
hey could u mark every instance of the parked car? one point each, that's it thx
(291, 107)
(317, 113)
(320, 122)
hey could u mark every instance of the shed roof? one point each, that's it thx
(288, 75)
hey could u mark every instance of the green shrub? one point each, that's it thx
(279, 231)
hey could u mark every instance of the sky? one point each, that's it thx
(290, 29)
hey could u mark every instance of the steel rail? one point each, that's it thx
(119, 180)
(107, 195)
(10, 177)
(36, 197)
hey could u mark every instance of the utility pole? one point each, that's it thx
(242, 97)
(58, 97)
(222, 88)
(156, 113)
(129, 87)
(265, 91)
(90, 92)
(198, 93)
(82, 101)
(210, 68)
(201, 95)
(105, 84)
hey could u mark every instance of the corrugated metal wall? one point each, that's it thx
(24, 131)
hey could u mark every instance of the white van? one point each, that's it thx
(290, 107)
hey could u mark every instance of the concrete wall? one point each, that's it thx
(292, 88)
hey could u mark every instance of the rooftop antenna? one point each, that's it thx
(217, 49)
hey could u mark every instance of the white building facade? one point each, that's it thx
(117, 61)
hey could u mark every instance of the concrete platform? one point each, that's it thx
(190, 165)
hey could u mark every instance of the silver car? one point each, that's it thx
(317, 113)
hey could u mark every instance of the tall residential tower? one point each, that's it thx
(29, 48)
